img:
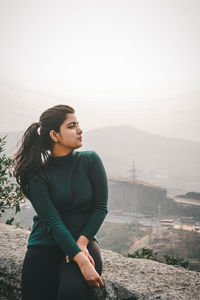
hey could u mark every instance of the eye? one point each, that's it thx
(73, 125)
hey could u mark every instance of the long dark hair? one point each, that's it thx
(36, 145)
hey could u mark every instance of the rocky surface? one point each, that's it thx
(124, 278)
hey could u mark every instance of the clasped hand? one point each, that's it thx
(87, 266)
(85, 251)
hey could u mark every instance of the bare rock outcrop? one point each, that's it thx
(124, 278)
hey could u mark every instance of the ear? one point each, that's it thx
(54, 135)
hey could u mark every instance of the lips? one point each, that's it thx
(80, 138)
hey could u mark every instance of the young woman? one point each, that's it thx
(68, 190)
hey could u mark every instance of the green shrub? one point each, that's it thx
(10, 195)
(148, 253)
(171, 260)
(145, 253)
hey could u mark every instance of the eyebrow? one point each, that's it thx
(72, 123)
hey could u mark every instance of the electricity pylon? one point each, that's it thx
(133, 171)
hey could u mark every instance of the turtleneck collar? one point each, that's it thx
(67, 156)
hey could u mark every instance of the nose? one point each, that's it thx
(80, 130)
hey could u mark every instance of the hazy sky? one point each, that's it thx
(137, 59)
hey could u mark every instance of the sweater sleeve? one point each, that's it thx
(98, 179)
(41, 201)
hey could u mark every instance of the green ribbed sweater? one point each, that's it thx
(70, 196)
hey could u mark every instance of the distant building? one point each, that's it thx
(127, 196)
(138, 197)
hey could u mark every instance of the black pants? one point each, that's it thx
(47, 276)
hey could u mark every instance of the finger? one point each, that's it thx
(100, 281)
(92, 260)
(67, 259)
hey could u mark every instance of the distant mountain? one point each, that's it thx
(168, 162)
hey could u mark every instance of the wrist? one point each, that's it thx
(80, 258)
(83, 240)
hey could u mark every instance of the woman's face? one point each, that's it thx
(69, 136)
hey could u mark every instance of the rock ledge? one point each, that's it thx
(124, 278)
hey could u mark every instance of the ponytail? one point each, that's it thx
(29, 156)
